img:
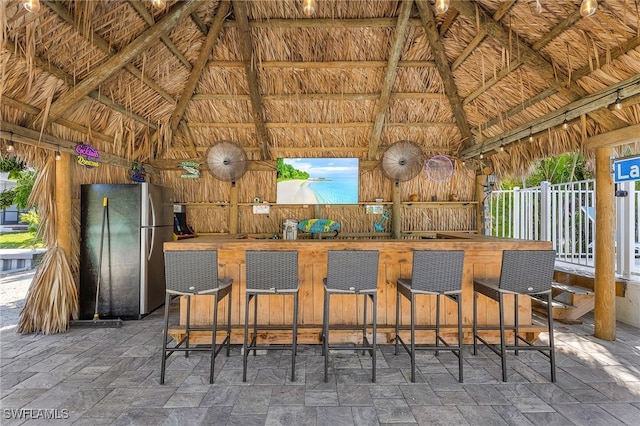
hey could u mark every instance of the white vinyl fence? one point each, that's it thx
(565, 214)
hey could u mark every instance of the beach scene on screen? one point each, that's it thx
(317, 181)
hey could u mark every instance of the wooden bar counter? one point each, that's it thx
(483, 257)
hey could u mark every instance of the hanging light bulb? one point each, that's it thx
(501, 148)
(309, 7)
(530, 135)
(58, 156)
(618, 104)
(32, 6)
(10, 143)
(565, 124)
(442, 6)
(481, 156)
(159, 4)
(588, 7)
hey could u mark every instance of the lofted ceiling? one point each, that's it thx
(161, 86)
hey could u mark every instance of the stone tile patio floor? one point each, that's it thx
(98, 376)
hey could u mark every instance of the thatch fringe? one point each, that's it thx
(52, 299)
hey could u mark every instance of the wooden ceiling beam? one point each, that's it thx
(315, 125)
(449, 19)
(112, 65)
(199, 66)
(326, 23)
(450, 88)
(534, 59)
(614, 54)
(33, 110)
(389, 78)
(626, 135)
(598, 101)
(144, 13)
(97, 41)
(251, 73)
(31, 137)
(504, 8)
(189, 137)
(48, 67)
(318, 97)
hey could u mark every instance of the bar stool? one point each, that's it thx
(351, 272)
(189, 273)
(527, 272)
(436, 273)
(270, 272)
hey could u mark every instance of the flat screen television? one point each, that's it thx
(317, 181)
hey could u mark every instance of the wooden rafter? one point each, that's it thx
(537, 46)
(598, 101)
(504, 8)
(316, 125)
(189, 137)
(615, 53)
(112, 65)
(627, 135)
(325, 23)
(95, 39)
(535, 60)
(33, 110)
(449, 19)
(144, 13)
(390, 77)
(240, 9)
(32, 138)
(450, 88)
(319, 96)
(198, 68)
(68, 79)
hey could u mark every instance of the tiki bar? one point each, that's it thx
(322, 211)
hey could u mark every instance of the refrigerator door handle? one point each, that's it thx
(153, 229)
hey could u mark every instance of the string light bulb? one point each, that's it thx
(481, 156)
(309, 7)
(588, 7)
(530, 135)
(442, 6)
(32, 6)
(565, 124)
(159, 4)
(618, 104)
(58, 156)
(10, 143)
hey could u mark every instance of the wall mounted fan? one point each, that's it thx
(402, 161)
(439, 168)
(226, 161)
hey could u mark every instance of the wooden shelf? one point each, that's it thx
(206, 205)
(437, 204)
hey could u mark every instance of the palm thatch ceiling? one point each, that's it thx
(159, 86)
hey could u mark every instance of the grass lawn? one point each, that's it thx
(13, 240)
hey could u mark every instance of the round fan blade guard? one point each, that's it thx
(439, 168)
(226, 161)
(402, 161)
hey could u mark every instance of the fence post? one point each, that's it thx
(545, 211)
(625, 229)
(516, 213)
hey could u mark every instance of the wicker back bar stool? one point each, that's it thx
(270, 272)
(523, 272)
(351, 272)
(435, 273)
(189, 273)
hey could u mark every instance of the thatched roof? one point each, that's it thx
(153, 86)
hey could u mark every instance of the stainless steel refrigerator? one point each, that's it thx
(139, 219)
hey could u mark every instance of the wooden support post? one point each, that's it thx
(233, 209)
(605, 286)
(396, 208)
(481, 180)
(63, 202)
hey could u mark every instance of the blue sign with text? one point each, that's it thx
(626, 170)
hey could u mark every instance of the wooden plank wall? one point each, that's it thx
(482, 259)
